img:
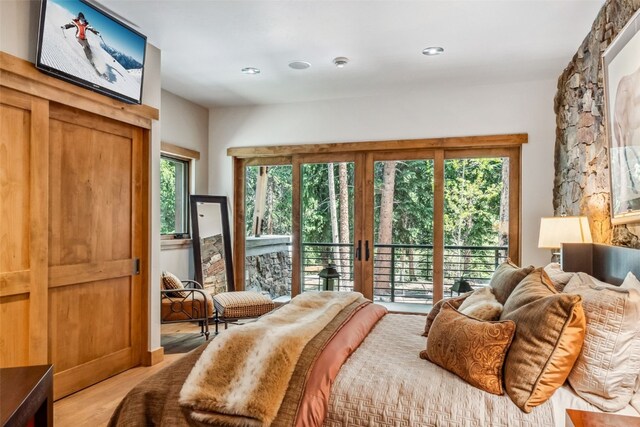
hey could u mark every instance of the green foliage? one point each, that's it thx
(280, 191)
(167, 197)
(413, 201)
(472, 192)
(472, 201)
(316, 218)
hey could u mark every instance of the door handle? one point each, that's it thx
(366, 250)
(359, 251)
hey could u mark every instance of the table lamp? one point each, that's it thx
(554, 231)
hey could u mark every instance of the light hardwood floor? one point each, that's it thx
(94, 405)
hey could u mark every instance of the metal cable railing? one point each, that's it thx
(402, 273)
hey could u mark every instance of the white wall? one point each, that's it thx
(18, 36)
(423, 113)
(19, 27)
(185, 124)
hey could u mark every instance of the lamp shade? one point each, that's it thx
(557, 230)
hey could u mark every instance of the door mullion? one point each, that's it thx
(296, 241)
(438, 226)
(365, 163)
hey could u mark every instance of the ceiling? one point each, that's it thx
(205, 44)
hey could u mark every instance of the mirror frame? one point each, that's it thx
(194, 199)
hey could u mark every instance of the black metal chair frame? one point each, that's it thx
(177, 305)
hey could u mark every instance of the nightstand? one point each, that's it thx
(576, 418)
(27, 396)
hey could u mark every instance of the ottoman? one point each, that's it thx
(232, 306)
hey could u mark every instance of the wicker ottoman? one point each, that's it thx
(232, 306)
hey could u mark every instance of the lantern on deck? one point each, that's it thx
(331, 277)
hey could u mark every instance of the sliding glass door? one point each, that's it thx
(403, 231)
(476, 220)
(327, 225)
(400, 226)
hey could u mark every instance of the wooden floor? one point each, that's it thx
(94, 405)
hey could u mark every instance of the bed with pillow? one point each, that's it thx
(556, 340)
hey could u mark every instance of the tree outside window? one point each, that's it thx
(174, 196)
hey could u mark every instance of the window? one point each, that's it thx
(174, 196)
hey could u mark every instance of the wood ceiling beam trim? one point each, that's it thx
(463, 142)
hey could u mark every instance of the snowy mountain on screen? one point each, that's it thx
(125, 60)
(61, 50)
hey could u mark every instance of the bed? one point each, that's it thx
(381, 380)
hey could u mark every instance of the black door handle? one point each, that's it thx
(366, 250)
(359, 251)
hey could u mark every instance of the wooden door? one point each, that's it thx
(23, 229)
(95, 237)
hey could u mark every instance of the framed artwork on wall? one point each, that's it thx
(621, 65)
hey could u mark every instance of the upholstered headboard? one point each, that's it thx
(607, 263)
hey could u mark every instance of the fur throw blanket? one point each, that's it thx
(242, 376)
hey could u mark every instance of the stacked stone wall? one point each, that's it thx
(581, 185)
(213, 265)
(269, 273)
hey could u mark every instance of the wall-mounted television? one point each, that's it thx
(86, 46)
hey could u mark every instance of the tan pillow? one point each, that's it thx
(456, 301)
(482, 305)
(607, 369)
(558, 277)
(550, 330)
(170, 281)
(472, 349)
(506, 278)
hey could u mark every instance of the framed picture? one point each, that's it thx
(621, 65)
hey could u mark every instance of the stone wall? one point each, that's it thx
(268, 265)
(213, 266)
(269, 273)
(581, 185)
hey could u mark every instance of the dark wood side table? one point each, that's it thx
(26, 394)
(576, 418)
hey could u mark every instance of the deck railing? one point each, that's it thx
(402, 273)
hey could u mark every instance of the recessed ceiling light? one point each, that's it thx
(250, 70)
(340, 61)
(299, 65)
(433, 51)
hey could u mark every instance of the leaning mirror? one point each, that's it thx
(211, 243)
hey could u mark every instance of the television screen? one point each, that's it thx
(86, 46)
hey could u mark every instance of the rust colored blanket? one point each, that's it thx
(155, 400)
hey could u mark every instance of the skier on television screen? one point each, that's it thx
(82, 26)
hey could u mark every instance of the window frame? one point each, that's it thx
(188, 157)
(508, 145)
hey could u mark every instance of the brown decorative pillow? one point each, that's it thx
(550, 329)
(506, 278)
(455, 302)
(170, 281)
(472, 349)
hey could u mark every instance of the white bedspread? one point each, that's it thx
(385, 383)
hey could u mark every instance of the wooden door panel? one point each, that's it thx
(14, 321)
(23, 219)
(95, 314)
(90, 195)
(14, 182)
(94, 294)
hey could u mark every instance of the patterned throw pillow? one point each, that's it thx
(472, 349)
(506, 278)
(170, 281)
(550, 330)
(607, 369)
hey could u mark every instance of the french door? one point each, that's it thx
(404, 226)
